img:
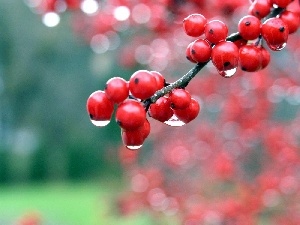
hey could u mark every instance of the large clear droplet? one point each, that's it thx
(277, 47)
(227, 73)
(133, 147)
(100, 123)
(174, 122)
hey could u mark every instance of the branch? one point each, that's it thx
(185, 79)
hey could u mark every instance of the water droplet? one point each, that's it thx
(277, 47)
(133, 147)
(174, 122)
(100, 123)
(227, 73)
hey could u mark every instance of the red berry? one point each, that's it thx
(282, 3)
(291, 19)
(189, 113)
(161, 109)
(100, 108)
(250, 58)
(249, 27)
(225, 57)
(265, 57)
(200, 50)
(130, 114)
(193, 25)
(260, 8)
(160, 80)
(134, 139)
(116, 89)
(275, 32)
(189, 54)
(179, 98)
(142, 84)
(215, 31)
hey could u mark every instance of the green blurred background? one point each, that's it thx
(53, 161)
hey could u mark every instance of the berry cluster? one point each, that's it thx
(147, 91)
(244, 49)
(133, 101)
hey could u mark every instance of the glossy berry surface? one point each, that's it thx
(188, 53)
(260, 8)
(116, 89)
(265, 57)
(99, 107)
(250, 58)
(160, 80)
(200, 50)
(161, 109)
(291, 19)
(130, 114)
(134, 139)
(275, 32)
(282, 3)
(215, 31)
(194, 24)
(142, 84)
(249, 27)
(179, 98)
(225, 56)
(189, 113)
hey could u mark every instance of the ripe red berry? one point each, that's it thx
(282, 3)
(189, 113)
(188, 53)
(130, 114)
(215, 31)
(161, 109)
(116, 89)
(249, 27)
(160, 80)
(179, 98)
(265, 57)
(134, 139)
(225, 57)
(250, 58)
(275, 32)
(142, 84)
(100, 108)
(291, 19)
(260, 8)
(193, 25)
(200, 50)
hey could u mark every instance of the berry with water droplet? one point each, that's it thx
(100, 108)
(225, 56)
(275, 32)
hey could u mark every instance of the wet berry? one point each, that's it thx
(142, 84)
(193, 25)
(249, 27)
(215, 31)
(130, 114)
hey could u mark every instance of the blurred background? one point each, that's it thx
(57, 168)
